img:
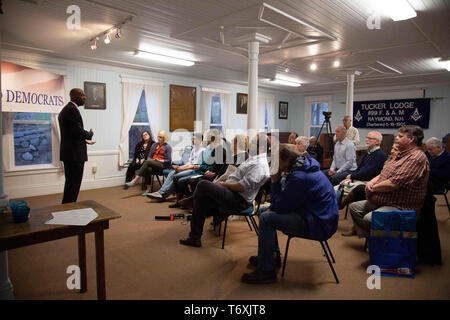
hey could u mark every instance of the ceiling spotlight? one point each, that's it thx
(93, 44)
(313, 66)
(107, 39)
(336, 63)
(118, 33)
(286, 69)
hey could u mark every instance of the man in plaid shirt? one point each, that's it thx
(401, 185)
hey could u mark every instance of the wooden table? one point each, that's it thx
(15, 235)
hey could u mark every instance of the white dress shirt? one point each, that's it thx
(344, 157)
(251, 174)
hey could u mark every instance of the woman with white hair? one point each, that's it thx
(159, 158)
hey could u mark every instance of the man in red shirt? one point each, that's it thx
(401, 185)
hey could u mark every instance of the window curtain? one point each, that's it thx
(131, 93)
(7, 137)
(153, 101)
(224, 107)
(264, 101)
(206, 109)
(57, 135)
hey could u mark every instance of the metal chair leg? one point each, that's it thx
(329, 262)
(285, 256)
(329, 251)
(255, 225)
(346, 212)
(224, 232)
(246, 219)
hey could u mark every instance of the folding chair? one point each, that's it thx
(248, 213)
(326, 249)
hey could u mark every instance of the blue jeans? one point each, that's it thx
(169, 187)
(269, 223)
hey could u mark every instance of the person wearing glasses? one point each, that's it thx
(159, 158)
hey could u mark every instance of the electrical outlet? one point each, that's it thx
(94, 169)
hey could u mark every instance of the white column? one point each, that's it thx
(252, 104)
(350, 84)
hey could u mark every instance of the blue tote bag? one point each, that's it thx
(393, 242)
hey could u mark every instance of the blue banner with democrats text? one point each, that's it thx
(391, 113)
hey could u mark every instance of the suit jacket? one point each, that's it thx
(73, 136)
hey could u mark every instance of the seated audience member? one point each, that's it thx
(358, 193)
(439, 160)
(315, 148)
(159, 158)
(185, 170)
(141, 152)
(371, 164)
(307, 207)
(213, 162)
(240, 155)
(302, 144)
(292, 137)
(401, 185)
(236, 193)
(344, 158)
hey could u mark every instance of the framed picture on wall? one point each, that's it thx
(95, 95)
(241, 103)
(283, 110)
(182, 107)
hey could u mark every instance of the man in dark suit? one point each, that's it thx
(73, 151)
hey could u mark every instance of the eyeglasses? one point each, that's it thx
(160, 137)
(371, 138)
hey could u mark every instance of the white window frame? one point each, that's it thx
(308, 102)
(11, 166)
(216, 125)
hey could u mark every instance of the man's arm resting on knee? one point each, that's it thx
(233, 186)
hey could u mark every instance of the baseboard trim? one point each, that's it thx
(54, 188)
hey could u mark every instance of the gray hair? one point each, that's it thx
(435, 142)
(378, 136)
(302, 140)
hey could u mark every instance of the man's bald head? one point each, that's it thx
(77, 95)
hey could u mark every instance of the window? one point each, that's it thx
(216, 114)
(317, 118)
(34, 144)
(314, 118)
(140, 124)
(266, 120)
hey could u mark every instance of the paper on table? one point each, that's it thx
(77, 217)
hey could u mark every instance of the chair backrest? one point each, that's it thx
(387, 142)
(265, 188)
(186, 154)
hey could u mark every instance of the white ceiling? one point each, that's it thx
(210, 32)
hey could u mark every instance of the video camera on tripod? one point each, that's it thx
(329, 144)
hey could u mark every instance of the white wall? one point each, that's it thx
(107, 123)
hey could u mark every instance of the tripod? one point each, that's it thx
(329, 145)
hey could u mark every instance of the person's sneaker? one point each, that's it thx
(253, 261)
(155, 195)
(259, 277)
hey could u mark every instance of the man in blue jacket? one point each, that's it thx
(306, 207)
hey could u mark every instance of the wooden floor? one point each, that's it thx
(145, 261)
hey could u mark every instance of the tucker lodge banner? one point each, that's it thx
(391, 113)
(29, 90)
